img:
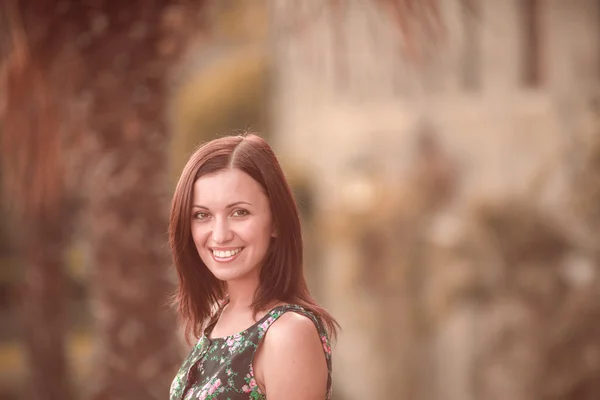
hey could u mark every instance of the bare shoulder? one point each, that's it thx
(292, 360)
(295, 330)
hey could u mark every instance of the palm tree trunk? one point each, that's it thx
(32, 184)
(45, 319)
(138, 350)
(122, 54)
(137, 346)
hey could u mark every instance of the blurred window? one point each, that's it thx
(471, 56)
(530, 16)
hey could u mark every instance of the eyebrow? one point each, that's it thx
(237, 203)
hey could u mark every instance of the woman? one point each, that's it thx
(237, 246)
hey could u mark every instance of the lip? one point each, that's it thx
(226, 248)
(224, 260)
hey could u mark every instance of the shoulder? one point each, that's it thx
(292, 359)
(292, 328)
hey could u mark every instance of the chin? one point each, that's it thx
(229, 269)
(224, 272)
(230, 276)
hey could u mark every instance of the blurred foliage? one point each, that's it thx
(229, 94)
(239, 20)
(227, 89)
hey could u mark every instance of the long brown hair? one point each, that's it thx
(281, 275)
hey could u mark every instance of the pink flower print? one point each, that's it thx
(265, 325)
(252, 383)
(326, 346)
(209, 389)
(246, 389)
(234, 342)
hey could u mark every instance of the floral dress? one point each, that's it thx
(221, 368)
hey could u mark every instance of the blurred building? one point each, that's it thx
(499, 106)
(505, 78)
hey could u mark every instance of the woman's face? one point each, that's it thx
(231, 224)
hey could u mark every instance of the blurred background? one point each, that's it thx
(445, 156)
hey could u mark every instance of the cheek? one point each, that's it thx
(257, 232)
(198, 235)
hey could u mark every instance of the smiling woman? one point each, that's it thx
(231, 225)
(236, 242)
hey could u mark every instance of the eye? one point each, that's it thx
(200, 215)
(240, 213)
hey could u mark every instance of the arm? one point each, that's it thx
(291, 363)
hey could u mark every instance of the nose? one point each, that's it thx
(221, 232)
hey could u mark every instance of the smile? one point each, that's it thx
(226, 255)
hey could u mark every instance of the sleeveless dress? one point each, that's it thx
(221, 368)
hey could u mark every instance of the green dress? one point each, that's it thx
(221, 368)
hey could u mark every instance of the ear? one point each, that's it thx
(274, 231)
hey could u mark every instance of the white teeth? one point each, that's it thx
(225, 254)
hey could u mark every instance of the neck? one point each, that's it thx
(241, 293)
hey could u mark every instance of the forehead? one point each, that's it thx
(226, 187)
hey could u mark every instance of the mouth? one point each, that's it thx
(224, 256)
